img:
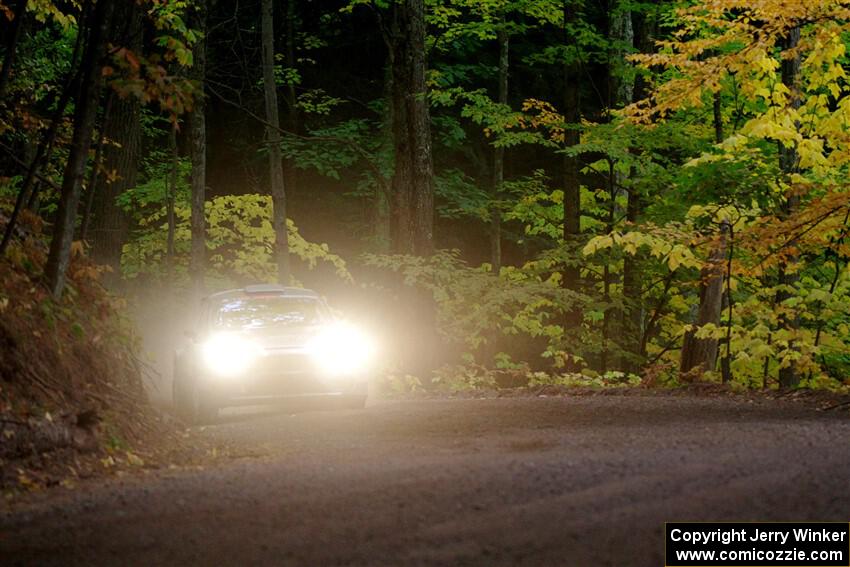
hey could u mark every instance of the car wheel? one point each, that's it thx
(202, 410)
(191, 403)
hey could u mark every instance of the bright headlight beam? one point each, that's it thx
(341, 349)
(227, 354)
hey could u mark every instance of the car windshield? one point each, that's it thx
(267, 311)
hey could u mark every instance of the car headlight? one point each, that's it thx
(227, 354)
(341, 349)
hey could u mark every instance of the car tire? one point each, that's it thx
(201, 409)
(191, 404)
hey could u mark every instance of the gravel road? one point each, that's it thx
(568, 481)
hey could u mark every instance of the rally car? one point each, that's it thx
(266, 343)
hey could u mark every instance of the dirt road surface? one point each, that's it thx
(571, 481)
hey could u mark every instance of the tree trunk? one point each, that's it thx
(412, 206)
(382, 210)
(633, 309)
(702, 353)
(789, 377)
(94, 173)
(281, 233)
(412, 222)
(718, 118)
(171, 191)
(620, 92)
(572, 188)
(499, 155)
(290, 98)
(621, 33)
(110, 224)
(198, 155)
(632, 338)
(12, 45)
(85, 112)
(609, 315)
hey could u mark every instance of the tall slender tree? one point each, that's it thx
(278, 190)
(503, 39)
(643, 29)
(95, 170)
(290, 96)
(702, 352)
(619, 93)
(789, 163)
(571, 183)
(170, 194)
(85, 112)
(198, 152)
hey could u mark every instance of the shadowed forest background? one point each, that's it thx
(511, 192)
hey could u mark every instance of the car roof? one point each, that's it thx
(265, 289)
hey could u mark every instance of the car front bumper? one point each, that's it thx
(286, 374)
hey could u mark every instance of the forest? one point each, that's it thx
(568, 192)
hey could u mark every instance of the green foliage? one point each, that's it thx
(332, 151)
(240, 241)
(655, 185)
(589, 379)
(459, 377)
(45, 59)
(316, 101)
(459, 196)
(475, 307)
(155, 190)
(392, 384)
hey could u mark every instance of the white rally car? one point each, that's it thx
(266, 343)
